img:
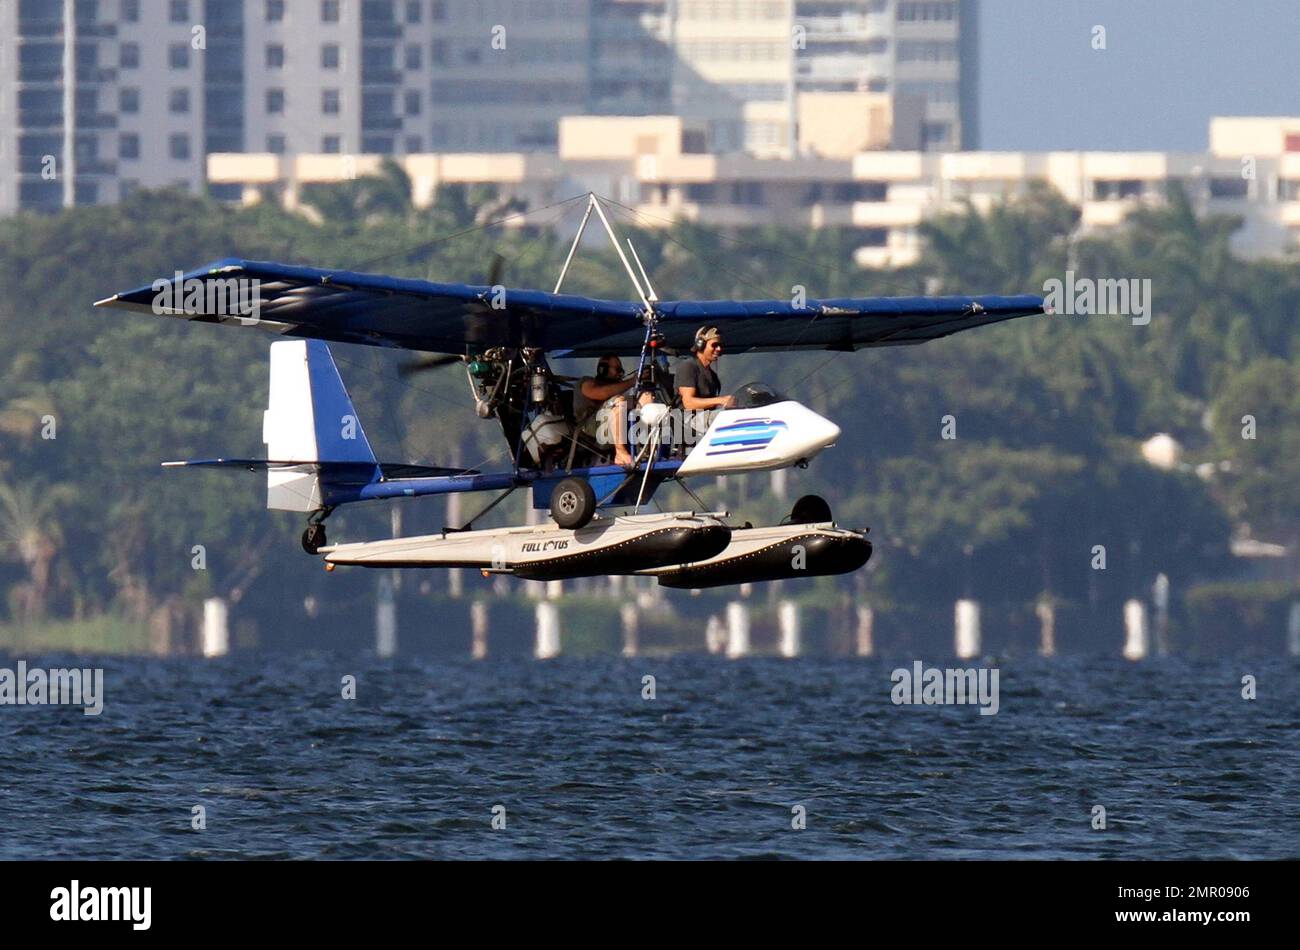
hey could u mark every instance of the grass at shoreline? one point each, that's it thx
(103, 634)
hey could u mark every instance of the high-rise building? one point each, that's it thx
(98, 97)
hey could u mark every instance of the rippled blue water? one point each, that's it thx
(712, 767)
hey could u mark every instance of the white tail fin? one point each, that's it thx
(309, 419)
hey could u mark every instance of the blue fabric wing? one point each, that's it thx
(346, 307)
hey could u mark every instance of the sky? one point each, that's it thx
(1168, 66)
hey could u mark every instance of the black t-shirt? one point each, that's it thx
(691, 373)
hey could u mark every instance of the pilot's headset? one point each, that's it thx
(702, 336)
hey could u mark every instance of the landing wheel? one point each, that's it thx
(810, 509)
(313, 539)
(573, 502)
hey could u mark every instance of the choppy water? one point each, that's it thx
(710, 768)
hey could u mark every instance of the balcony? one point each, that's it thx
(96, 74)
(225, 76)
(380, 30)
(380, 76)
(49, 27)
(96, 120)
(40, 73)
(884, 214)
(32, 120)
(94, 166)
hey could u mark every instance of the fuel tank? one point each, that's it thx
(618, 545)
(773, 553)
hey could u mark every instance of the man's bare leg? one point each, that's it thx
(618, 418)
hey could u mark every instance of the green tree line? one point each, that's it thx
(1048, 413)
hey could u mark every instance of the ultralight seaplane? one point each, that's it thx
(318, 457)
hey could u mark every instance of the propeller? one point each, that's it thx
(495, 271)
(426, 363)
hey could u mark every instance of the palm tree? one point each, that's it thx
(31, 534)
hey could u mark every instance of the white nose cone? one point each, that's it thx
(754, 440)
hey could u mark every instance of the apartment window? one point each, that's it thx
(330, 145)
(329, 56)
(1237, 187)
(178, 101)
(329, 11)
(128, 145)
(910, 11)
(935, 133)
(274, 56)
(274, 11)
(414, 144)
(128, 100)
(438, 52)
(412, 57)
(329, 101)
(180, 11)
(412, 11)
(274, 100)
(412, 101)
(923, 51)
(178, 56)
(438, 9)
(127, 187)
(131, 11)
(178, 147)
(275, 144)
(1118, 189)
(128, 56)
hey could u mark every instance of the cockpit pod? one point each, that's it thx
(763, 430)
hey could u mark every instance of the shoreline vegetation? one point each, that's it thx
(1009, 465)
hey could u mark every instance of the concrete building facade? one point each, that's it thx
(653, 164)
(150, 87)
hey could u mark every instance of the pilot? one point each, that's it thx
(600, 408)
(698, 386)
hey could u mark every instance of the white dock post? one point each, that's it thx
(1135, 630)
(737, 629)
(1046, 611)
(866, 632)
(548, 631)
(779, 484)
(791, 638)
(216, 627)
(1160, 596)
(455, 575)
(385, 618)
(966, 635)
(715, 637)
(1293, 630)
(478, 625)
(631, 633)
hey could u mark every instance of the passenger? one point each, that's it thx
(698, 386)
(600, 408)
